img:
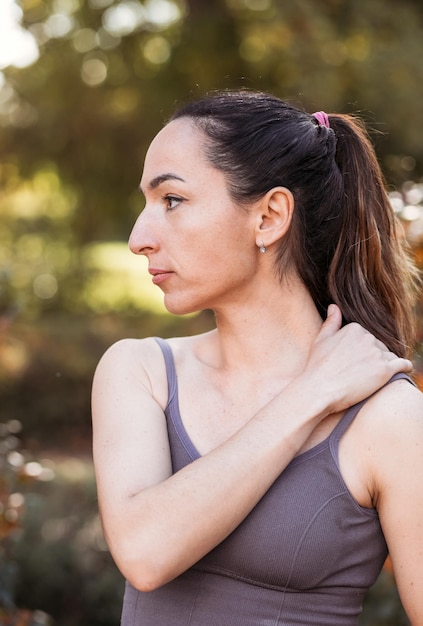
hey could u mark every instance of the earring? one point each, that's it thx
(262, 248)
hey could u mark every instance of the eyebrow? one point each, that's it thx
(158, 180)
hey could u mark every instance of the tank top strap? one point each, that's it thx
(350, 414)
(173, 416)
(172, 381)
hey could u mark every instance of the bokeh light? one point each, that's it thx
(18, 46)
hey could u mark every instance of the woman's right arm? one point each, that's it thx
(157, 524)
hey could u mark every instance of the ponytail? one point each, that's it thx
(371, 276)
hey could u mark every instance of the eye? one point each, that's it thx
(172, 201)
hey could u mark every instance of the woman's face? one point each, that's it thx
(200, 246)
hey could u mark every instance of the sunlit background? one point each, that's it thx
(84, 85)
(18, 47)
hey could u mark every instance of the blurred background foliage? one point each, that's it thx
(84, 85)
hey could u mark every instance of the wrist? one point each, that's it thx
(312, 396)
(290, 418)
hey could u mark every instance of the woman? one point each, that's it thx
(257, 474)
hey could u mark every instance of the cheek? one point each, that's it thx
(214, 230)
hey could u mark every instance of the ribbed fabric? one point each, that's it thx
(305, 555)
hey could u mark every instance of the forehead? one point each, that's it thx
(180, 130)
(178, 146)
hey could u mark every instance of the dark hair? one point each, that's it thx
(344, 241)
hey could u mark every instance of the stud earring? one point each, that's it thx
(262, 248)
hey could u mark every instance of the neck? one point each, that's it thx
(273, 329)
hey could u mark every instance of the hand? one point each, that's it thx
(349, 364)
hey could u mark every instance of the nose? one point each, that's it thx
(142, 239)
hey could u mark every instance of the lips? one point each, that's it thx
(159, 275)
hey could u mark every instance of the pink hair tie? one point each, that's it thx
(322, 118)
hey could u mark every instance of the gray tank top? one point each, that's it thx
(304, 556)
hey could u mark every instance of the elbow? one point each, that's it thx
(144, 571)
(144, 582)
(145, 578)
(146, 559)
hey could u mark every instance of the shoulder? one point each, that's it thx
(130, 348)
(395, 411)
(390, 427)
(128, 356)
(399, 403)
(138, 364)
(132, 364)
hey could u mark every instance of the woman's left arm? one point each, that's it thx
(397, 461)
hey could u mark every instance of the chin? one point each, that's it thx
(180, 308)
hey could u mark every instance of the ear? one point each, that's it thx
(274, 215)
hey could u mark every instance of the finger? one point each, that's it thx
(397, 361)
(399, 364)
(332, 323)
